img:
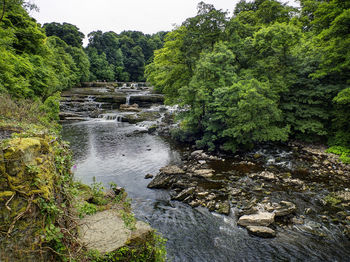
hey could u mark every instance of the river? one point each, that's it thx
(118, 152)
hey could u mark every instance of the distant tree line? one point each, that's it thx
(270, 72)
(39, 61)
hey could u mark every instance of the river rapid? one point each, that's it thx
(112, 151)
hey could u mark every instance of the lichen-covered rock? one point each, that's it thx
(106, 231)
(31, 175)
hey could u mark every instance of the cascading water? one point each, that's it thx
(115, 152)
(113, 117)
(128, 99)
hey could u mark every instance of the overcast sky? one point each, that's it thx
(147, 16)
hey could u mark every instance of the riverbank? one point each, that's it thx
(268, 189)
(47, 216)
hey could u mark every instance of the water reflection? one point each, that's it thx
(112, 152)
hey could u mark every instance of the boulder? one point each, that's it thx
(261, 231)
(106, 232)
(259, 219)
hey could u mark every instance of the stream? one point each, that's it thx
(109, 150)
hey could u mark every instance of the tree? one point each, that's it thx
(67, 32)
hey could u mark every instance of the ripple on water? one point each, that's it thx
(111, 152)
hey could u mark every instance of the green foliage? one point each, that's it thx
(34, 65)
(67, 32)
(283, 73)
(129, 219)
(332, 200)
(97, 193)
(121, 57)
(150, 249)
(343, 152)
(86, 209)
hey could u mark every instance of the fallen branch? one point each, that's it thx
(8, 201)
(18, 217)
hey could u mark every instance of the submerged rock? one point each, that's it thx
(261, 231)
(259, 219)
(148, 176)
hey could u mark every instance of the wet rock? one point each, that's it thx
(261, 231)
(343, 195)
(171, 170)
(194, 203)
(147, 100)
(184, 194)
(130, 108)
(285, 208)
(202, 162)
(223, 207)
(260, 219)
(117, 190)
(257, 156)
(196, 153)
(297, 221)
(202, 194)
(206, 173)
(166, 177)
(235, 191)
(266, 175)
(296, 182)
(148, 176)
(347, 231)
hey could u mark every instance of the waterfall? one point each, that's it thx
(128, 99)
(111, 117)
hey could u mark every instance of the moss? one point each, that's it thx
(332, 200)
(6, 194)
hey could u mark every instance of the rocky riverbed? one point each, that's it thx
(268, 190)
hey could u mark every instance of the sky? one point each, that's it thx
(147, 16)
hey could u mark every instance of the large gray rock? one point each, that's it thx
(261, 231)
(259, 219)
(106, 232)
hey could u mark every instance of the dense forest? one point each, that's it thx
(271, 72)
(39, 61)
